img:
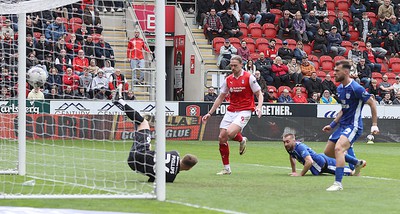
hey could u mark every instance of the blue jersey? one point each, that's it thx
(301, 151)
(352, 97)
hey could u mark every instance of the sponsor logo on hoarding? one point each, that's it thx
(193, 110)
(72, 108)
(110, 109)
(32, 107)
(150, 109)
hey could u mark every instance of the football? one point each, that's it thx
(370, 139)
(36, 76)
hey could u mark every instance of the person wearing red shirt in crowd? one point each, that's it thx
(299, 97)
(370, 58)
(241, 86)
(117, 79)
(134, 54)
(281, 72)
(80, 62)
(271, 51)
(73, 46)
(70, 79)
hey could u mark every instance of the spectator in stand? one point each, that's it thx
(92, 68)
(286, 26)
(394, 26)
(68, 93)
(396, 85)
(262, 84)
(73, 10)
(6, 29)
(342, 26)
(235, 9)
(376, 42)
(99, 81)
(243, 51)
(386, 101)
(327, 98)
(281, 73)
(80, 63)
(299, 52)
(48, 62)
(203, 10)
(61, 45)
(104, 52)
(264, 7)
(314, 85)
(55, 30)
(374, 90)
(54, 79)
(321, 42)
(221, 7)
(116, 79)
(326, 25)
(321, 9)
(270, 97)
(357, 9)
(31, 60)
(285, 52)
(295, 72)
(211, 95)
(108, 69)
(364, 27)
(385, 87)
(35, 94)
(92, 20)
(73, 46)
(372, 5)
(85, 81)
(386, 9)
(299, 26)
(250, 67)
(82, 33)
(306, 69)
(134, 53)
(299, 97)
(30, 44)
(364, 73)
(353, 72)
(212, 26)
(370, 58)
(225, 54)
(89, 47)
(81, 94)
(329, 85)
(101, 95)
(264, 66)
(335, 41)
(42, 48)
(31, 26)
(9, 80)
(277, 3)
(285, 97)
(53, 94)
(8, 50)
(249, 12)
(4, 93)
(70, 79)
(130, 96)
(271, 51)
(292, 6)
(62, 62)
(313, 98)
(312, 25)
(392, 45)
(396, 101)
(308, 6)
(230, 24)
(355, 54)
(383, 26)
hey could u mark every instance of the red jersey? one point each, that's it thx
(135, 48)
(271, 52)
(241, 91)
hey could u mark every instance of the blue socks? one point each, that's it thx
(339, 174)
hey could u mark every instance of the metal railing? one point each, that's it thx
(149, 81)
(219, 75)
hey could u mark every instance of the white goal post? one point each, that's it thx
(46, 155)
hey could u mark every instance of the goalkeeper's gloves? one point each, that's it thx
(374, 129)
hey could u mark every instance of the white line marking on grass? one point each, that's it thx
(204, 207)
(381, 178)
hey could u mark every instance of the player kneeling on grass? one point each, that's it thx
(316, 163)
(141, 158)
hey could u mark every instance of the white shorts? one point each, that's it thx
(240, 118)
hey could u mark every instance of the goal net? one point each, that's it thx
(77, 140)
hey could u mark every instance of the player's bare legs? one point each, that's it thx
(330, 149)
(234, 133)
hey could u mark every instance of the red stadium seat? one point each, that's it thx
(331, 16)
(348, 45)
(372, 17)
(218, 42)
(330, 4)
(342, 5)
(321, 74)
(347, 16)
(307, 48)
(278, 14)
(278, 43)
(291, 43)
(243, 29)
(254, 56)
(235, 42)
(338, 58)
(67, 37)
(361, 45)
(269, 30)
(353, 34)
(255, 30)
(315, 60)
(391, 75)
(377, 76)
(393, 61)
(261, 44)
(75, 20)
(65, 22)
(283, 87)
(251, 45)
(326, 63)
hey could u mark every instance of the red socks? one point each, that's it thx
(224, 151)
(238, 137)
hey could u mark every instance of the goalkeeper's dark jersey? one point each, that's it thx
(142, 159)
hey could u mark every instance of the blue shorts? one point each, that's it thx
(352, 133)
(330, 166)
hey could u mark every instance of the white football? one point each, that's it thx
(36, 76)
(370, 137)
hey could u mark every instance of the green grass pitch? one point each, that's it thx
(259, 184)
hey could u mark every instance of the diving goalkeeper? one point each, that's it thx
(141, 158)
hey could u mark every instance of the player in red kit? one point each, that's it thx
(241, 87)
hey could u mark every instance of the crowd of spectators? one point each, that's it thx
(67, 43)
(364, 32)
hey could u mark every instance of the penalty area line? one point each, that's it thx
(204, 207)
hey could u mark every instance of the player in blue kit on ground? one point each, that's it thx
(352, 97)
(316, 163)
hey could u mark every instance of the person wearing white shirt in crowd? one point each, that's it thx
(396, 85)
(36, 94)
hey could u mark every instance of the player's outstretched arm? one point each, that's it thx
(307, 165)
(374, 114)
(293, 165)
(216, 104)
(260, 98)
